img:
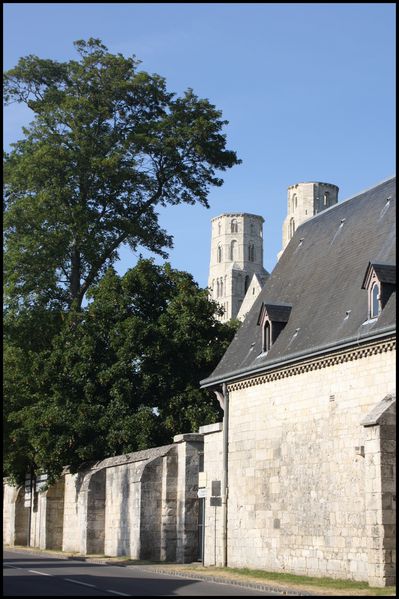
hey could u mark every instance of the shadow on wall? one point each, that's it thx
(55, 514)
(96, 513)
(123, 540)
(21, 519)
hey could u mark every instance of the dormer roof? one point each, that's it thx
(385, 273)
(274, 312)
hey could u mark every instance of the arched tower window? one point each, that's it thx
(375, 303)
(217, 288)
(234, 226)
(292, 227)
(251, 252)
(219, 253)
(221, 287)
(219, 228)
(252, 228)
(326, 199)
(233, 250)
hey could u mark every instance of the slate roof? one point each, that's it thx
(320, 274)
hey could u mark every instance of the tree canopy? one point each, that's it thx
(120, 376)
(108, 144)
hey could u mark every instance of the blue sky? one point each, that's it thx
(308, 90)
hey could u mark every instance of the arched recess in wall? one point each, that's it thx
(292, 227)
(21, 522)
(233, 250)
(219, 253)
(95, 540)
(55, 514)
(151, 519)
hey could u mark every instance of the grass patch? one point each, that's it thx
(327, 583)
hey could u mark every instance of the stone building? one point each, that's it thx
(306, 454)
(236, 261)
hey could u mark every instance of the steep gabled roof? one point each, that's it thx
(320, 274)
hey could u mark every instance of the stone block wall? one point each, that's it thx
(73, 521)
(296, 480)
(123, 510)
(380, 455)
(188, 448)
(143, 505)
(213, 468)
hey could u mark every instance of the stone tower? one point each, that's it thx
(304, 201)
(236, 257)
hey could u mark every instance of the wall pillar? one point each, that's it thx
(188, 447)
(380, 455)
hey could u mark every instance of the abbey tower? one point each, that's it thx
(304, 201)
(236, 260)
(236, 273)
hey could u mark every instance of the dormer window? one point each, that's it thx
(375, 301)
(380, 282)
(266, 337)
(272, 320)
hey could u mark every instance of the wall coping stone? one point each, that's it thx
(375, 416)
(187, 437)
(211, 428)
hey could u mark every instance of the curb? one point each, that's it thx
(241, 583)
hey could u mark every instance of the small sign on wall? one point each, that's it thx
(215, 501)
(41, 482)
(202, 479)
(201, 493)
(27, 495)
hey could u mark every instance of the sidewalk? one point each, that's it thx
(198, 572)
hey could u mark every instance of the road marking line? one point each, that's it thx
(117, 593)
(10, 566)
(85, 584)
(42, 573)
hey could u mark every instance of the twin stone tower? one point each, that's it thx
(236, 273)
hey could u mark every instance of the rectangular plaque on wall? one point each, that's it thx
(216, 488)
(217, 501)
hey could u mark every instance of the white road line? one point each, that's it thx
(84, 584)
(118, 593)
(10, 566)
(42, 573)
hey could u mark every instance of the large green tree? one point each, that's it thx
(108, 144)
(121, 375)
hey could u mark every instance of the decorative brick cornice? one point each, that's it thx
(315, 364)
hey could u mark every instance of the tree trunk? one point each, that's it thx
(75, 274)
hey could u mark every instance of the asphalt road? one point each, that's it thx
(33, 575)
